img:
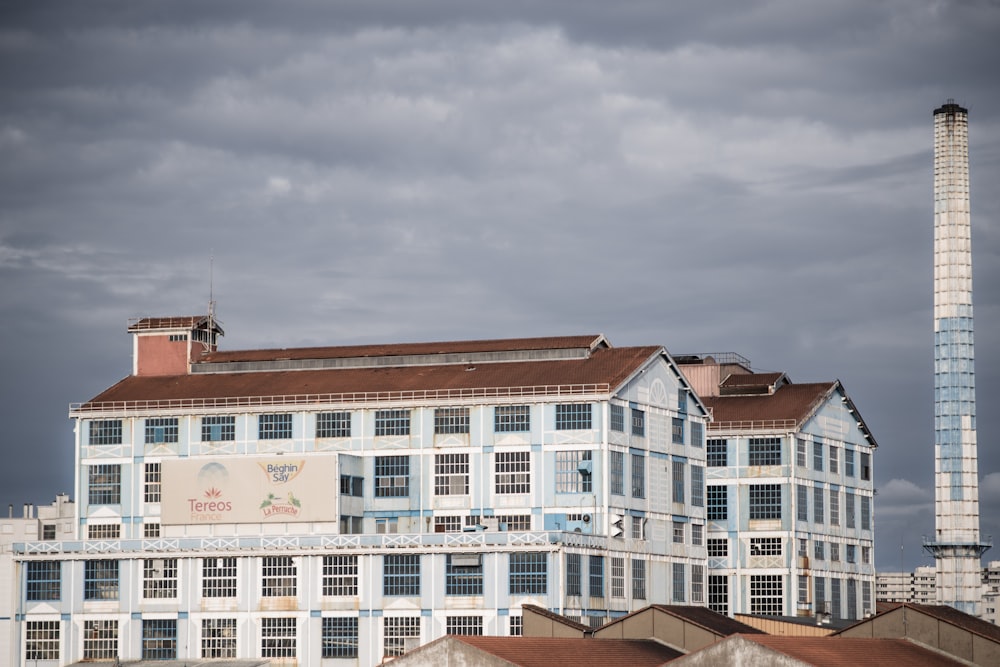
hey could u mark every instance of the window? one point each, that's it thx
(464, 625)
(866, 556)
(333, 425)
(819, 550)
(866, 597)
(852, 598)
(511, 419)
(100, 580)
(41, 640)
(617, 473)
(278, 577)
(866, 466)
(764, 452)
(350, 525)
(718, 548)
(800, 452)
(678, 532)
(849, 462)
(218, 428)
(340, 637)
(352, 485)
(451, 420)
(218, 577)
(463, 574)
(160, 430)
(766, 594)
(43, 580)
(817, 455)
(718, 456)
(803, 547)
(274, 427)
(849, 513)
(765, 501)
(697, 584)
(159, 578)
(100, 640)
(803, 596)
(679, 594)
(573, 416)
(697, 434)
(48, 531)
(801, 502)
(277, 637)
(835, 599)
(617, 418)
(834, 460)
(103, 531)
(151, 487)
(596, 570)
(819, 594)
(573, 471)
(528, 574)
(697, 486)
(678, 481)
(638, 422)
(105, 432)
(218, 638)
(765, 546)
(697, 534)
(834, 507)
(573, 574)
(851, 553)
(718, 593)
(638, 579)
(677, 431)
(617, 577)
(637, 523)
(340, 576)
(515, 626)
(451, 474)
(159, 638)
(866, 513)
(447, 524)
(513, 472)
(638, 476)
(818, 505)
(718, 502)
(396, 630)
(392, 476)
(401, 575)
(105, 484)
(514, 521)
(834, 552)
(682, 400)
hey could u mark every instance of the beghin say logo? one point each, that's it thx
(281, 473)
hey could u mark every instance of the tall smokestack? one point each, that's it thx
(957, 547)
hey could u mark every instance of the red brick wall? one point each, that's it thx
(158, 355)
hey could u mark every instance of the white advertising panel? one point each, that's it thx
(272, 489)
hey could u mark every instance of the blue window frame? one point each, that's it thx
(638, 422)
(100, 580)
(463, 574)
(161, 429)
(218, 428)
(574, 564)
(697, 486)
(104, 484)
(574, 416)
(511, 419)
(274, 426)
(159, 638)
(333, 425)
(677, 431)
(401, 575)
(528, 573)
(105, 432)
(340, 637)
(596, 587)
(617, 417)
(392, 476)
(638, 476)
(617, 473)
(43, 580)
(717, 453)
(392, 422)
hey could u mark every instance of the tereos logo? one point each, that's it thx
(211, 505)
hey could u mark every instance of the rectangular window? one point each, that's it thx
(104, 531)
(680, 588)
(151, 530)
(596, 570)
(161, 430)
(41, 640)
(617, 577)
(678, 532)
(849, 462)
(766, 594)
(803, 597)
(682, 400)
(852, 598)
(697, 584)
(447, 524)
(617, 473)
(448, 421)
(866, 466)
(834, 507)
(866, 513)
(765, 546)
(278, 577)
(718, 594)
(159, 638)
(697, 434)
(511, 419)
(617, 418)
(718, 548)
(637, 523)
(574, 472)
(697, 534)
(392, 422)
(678, 481)
(573, 575)
(818, 455)
(451, 474)
(638, 476)
(803, 547)
(515, 626)
(528, 573)
(514, 522)
(105, 481)
(835, 600)
(638, 422)
(401, 575)
(159, 578)
(340, 637)
(463, 574)
(151, 486)
(819, 593)
(765, 501)
(717, 453)
(764, 452)
(392, 476)
(400, 634)
(851, 555)
(274, 427)
(43, 580)
(866, 597)
(697, 486)
(849, 513)
(105, 432)
(100, 580)
(800, 452)
(573, 416)
(801, 502)
(352, 485)
(333, 425)
(48, 531)
(340, 576)
(866, 556)
(638, 579)
(464, 625)
(513, 472)
(718, 502)
(218, 638)
(677, 431)
(218, 428)
(277, 637)
(834, 460)
(819, 550)
(218, 577)
(100, 640)
(818, 505)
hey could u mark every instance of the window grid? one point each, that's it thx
(151, 530)
(834, 507)
(637, 525)
(596, 576)
(573, 416)
(638, 579)
(866, 513)
(463, 575)
(333, 425)
(834, 460)
(638, 422)
(277, 637)
(697, 584)
(104, 484)
(274, 426)
(352, 485)
(617, 418)
(574, 574)
(819, 550)
(43, 580)
(802, 502)
(697, 486)
(100, 640)
(451, 420)
(718, 502)
(765, 501)
(511, 419)
(677, 431)
(451, 474)
(392, 422)
(401, 575)
(718, 594)
(447, 524)
(515, 626)
(697, 534)
(103, 531)
(396, 630)
(697, 434)
(514, 521)
(100, 580)
(41, 640)
(849, 463)
(678, 481)
(218, 638)
(572, 475)
(849, 509)
(105, 432)
(678, 532)
(818, 455)
(800, 452)
(638, 476)
(679, 587)
(718, 547)
(617, 473)
(766, 594)
(818, 505)
(392, 476)
(218, 577)
(513, 472)
(464, 625)
(218, 428)
(765, 546)
(340, 637)
(161, 430)
(152, 483)
(278, 577)
(617, 577)
(764, 452)
(159, 578)
(717, 453)
(159, 638)
(528, 573)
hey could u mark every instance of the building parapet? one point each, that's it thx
(783, 425)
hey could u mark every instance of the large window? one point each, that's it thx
(818, 505)
(451, 420)
(340, 576)
(717, 453)
(718, 593)
(849, 463)
(218, 638)
(678, 481)
(617, 577)
(274, 426)
(100, 640)
(800, 452)
(528, 573)
(218, 577)
(638, 476)
(697, 486)
(834, 507)
(340, 637)
(464, 625)
(41, 640)
(818, 455)
(765, 546)
(574, 564)
(697, 434)
(617, 473)
(697, 584)
(765, 501)
(513, 472)
(159, 638)
(333, 425)
(218, 428)
(866, 466)
(105, 484)
(677, 431)
(718, 502)
(161, 429)
(866, 513)
(159, 578)
(277, 637)
(596, 576)
(451, 474)
(152, 483)
(392, 422)
(392, 476)
(573, 416)
(43, 580)
(574, 472)
(100, 580)
(278, 577)
(801, 502)
(766, 594)
(105, 432)
(511, 419)
(401, 575)
(638, 422)
(638, 579)
(463, 574)
(617, 418)
(849, 513)
(679, 586)
(400, 634)
(764, 452)
(834, 460)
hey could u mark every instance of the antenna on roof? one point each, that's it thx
(211, 300)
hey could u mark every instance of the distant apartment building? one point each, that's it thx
(789, 493)
(919, 586)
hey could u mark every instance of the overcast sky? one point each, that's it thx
(755, 179)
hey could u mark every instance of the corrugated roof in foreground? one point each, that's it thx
(548, 651)
(850, 652)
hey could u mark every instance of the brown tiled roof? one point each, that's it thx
(946, 614)
(849, 652)
(789, 402)
(751, 379)
(547, 651)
